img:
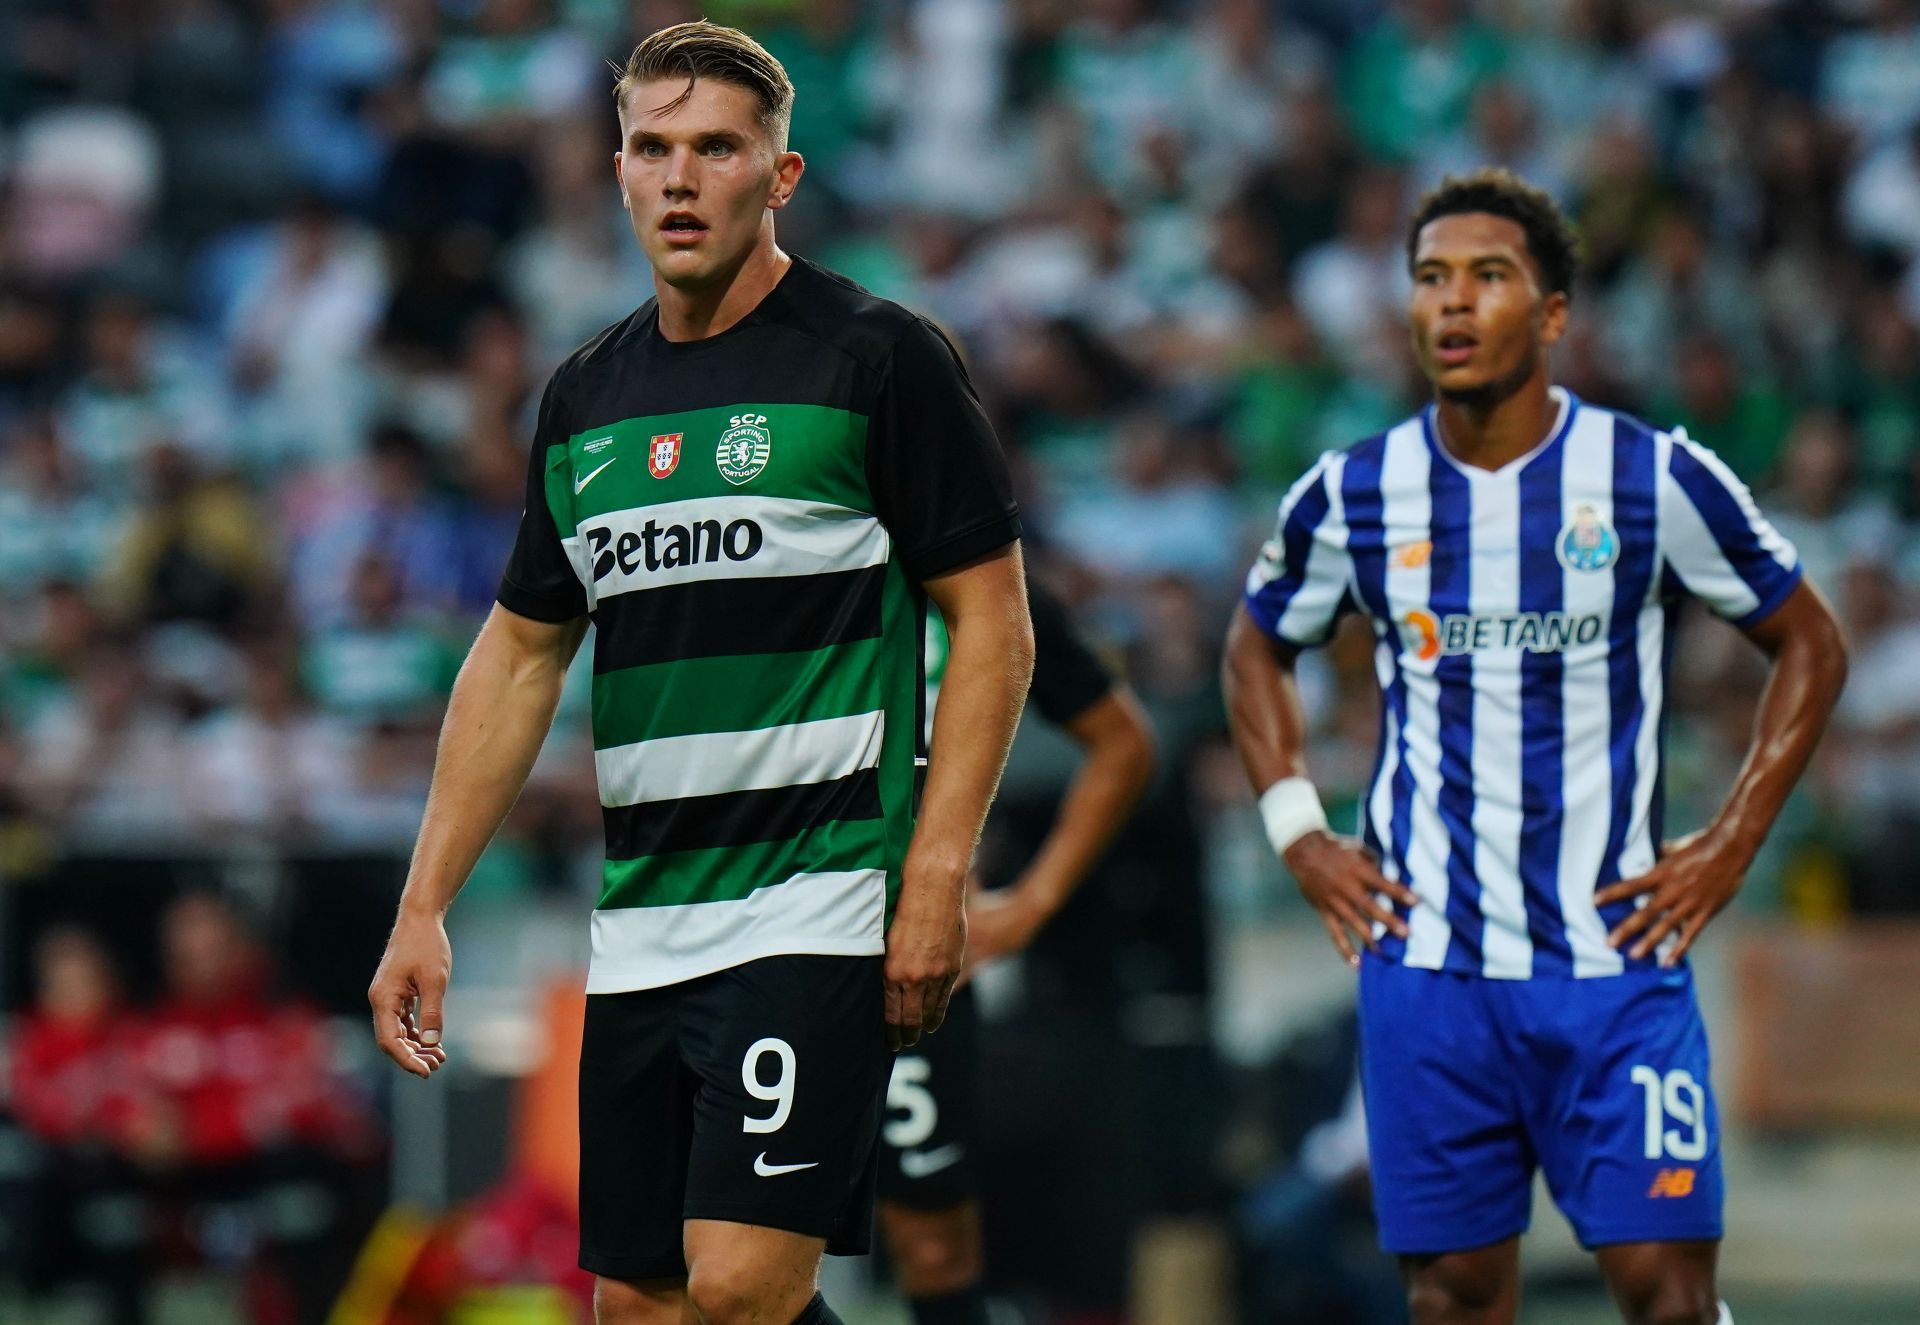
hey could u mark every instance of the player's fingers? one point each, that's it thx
(1642, 917)
(939, 997)
(1625, 888)
(893, 1000)
(1354, 916)
(1688, 933)
(1376, 882)
(912, 1003)
(428, 1018)
(1339, 935)
(390, 1032)
(1374, 913)
(1655, 933)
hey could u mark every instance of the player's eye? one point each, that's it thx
(719, 148)
(1493, 274)
(653, 151)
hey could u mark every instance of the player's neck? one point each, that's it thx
(1492, 430)
(696, 314)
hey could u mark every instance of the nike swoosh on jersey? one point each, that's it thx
(922, 1163)
(766, 1170)
(580, 484)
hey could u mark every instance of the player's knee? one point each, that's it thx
(933, 1260)
(1672, 1304)
(737, 1292)
(1439, 1295)
(622, 1302)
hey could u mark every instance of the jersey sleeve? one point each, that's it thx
(540, 581)
(1715, 540)
(938, 477)
(1298, 587)
(1067, 678)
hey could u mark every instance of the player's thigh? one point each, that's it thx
(636, 1133)
(791, 1057)
(1663, 1283)
(928, 1141)
(1451, 1164)
(1630, 1137)
(747, 1272)
(1478, 1286)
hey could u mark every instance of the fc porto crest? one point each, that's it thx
(1588, 543)
(745, 447)
(663, 453)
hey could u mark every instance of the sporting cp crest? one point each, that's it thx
(744, 447)
(1588, 543)
(663, 453)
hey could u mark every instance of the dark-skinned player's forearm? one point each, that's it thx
(497, 718)
(989, 665)
(1119, 761)
(1809, 667)
(1264, 713)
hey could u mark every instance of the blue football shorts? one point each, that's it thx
(1602, 1084)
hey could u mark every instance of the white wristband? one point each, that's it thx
(1290, 809)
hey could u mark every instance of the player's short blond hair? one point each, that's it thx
(708, 50)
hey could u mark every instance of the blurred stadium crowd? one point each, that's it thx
(280, 281)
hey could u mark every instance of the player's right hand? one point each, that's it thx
(408, 992)
(1341, 879)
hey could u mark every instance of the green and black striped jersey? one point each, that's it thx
(747, 519)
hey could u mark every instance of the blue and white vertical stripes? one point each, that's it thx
(1523, 622)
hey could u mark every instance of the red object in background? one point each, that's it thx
(70, 1077)
(520, 1233)
(234, 1077)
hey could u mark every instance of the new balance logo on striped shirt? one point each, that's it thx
(1522, 661)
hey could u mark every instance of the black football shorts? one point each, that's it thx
(751, 1095)
(928, 1137)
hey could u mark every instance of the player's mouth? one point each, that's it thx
(683, 229)
(1453, 348)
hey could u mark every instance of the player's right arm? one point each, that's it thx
(1295, 593)
(502, 705)
(1336, 874)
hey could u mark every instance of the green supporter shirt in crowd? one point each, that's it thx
(748, 520)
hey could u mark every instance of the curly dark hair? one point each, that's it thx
(1497, 191)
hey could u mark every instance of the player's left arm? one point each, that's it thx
(1699, 874)
(989, 665)
(1119, 756)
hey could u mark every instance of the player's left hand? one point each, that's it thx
(1696, 877)
(926, 947)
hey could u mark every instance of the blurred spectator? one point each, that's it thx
(74, 1094)
(1503, 131)
(1871, 78)
(1816, 506)
(140, 384)
(295, 336)
(385, 503)
(381, 661)
(84, 179)
(1358, 280)
(1127, 74)
(104, 758)
(1877, 734)
(1680, 285)
(256, 1153)
(1742, 419)
(329, 61)
(268, 764)
(1882, 199)
(194, 550)
(53, 525)
(70, 1084)
(1412, 77)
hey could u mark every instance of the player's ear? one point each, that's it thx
(620, 179)
(788, 167)
(1553, 317)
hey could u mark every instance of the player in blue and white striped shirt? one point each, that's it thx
(1521, 555)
